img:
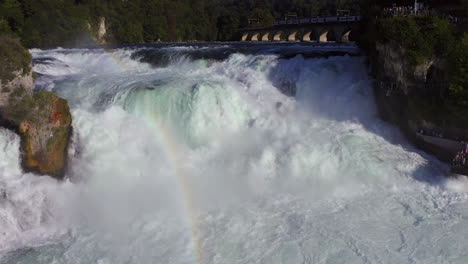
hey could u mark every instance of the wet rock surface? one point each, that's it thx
(42, 119)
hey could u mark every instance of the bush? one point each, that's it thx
(458, 66)
(422, 37)
(4, 27)
(13, 57)
(425, 38)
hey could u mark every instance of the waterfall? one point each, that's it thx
(227, 153)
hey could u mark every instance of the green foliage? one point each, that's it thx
(425, 38)
(264, 17)
(422, 37)
(130, 32)
(10, 10)
(48, 22)
(68, 22)
(13, 58)
(227, 25)
(458, 83)
(4, 27)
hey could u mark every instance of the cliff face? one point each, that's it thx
(42, 120)
(98, 31)
(19, 80)
(399, 84)
(101, 31)
(394, 67)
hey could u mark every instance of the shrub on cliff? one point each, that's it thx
(13, 57)
(422, 37)
(458, 81)
(4, 27)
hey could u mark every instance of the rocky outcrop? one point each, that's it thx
(98, 31)
(42, 119)
(101, 31)
(399, 83)
(19, 80)
(394, 67)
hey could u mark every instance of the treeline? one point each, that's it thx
(69, 22)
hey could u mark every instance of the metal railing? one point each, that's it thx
(318, 20)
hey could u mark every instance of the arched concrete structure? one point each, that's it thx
(307, 36)
(266, 36)
(255, 36)
(292, 35)
(278, 36)
(339, 29)
(345, 36)
(323, 35)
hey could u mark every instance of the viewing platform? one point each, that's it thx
(313, 29)
(318, 20)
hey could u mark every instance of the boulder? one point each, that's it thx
(42, 119)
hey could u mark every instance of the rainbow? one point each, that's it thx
(172, 154)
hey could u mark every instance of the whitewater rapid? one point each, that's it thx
(221, 154)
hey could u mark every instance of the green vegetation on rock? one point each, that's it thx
(44, 124)
(21, 106)
(422, 37)
(4, 27)
(458, 79)
(442, 97)
(42, 119)
(13, 58)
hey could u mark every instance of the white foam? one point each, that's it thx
(200, 156)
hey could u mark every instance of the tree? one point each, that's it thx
(62, 22)
(458, 85)
(227, 24)
(11, 11)
(4, 26)
(264, 17)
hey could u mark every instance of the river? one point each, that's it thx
(227, 153)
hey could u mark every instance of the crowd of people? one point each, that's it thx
(453, 19)
(461, 159)
(440, 134)
(431, 133)
(399, 11)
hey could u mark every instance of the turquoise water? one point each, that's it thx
(249, 157)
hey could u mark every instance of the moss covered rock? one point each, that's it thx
(15, 68)
(15, 59)
(42, 119)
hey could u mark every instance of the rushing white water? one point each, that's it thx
(203, 161)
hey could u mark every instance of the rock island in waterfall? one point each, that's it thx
(233, 131)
